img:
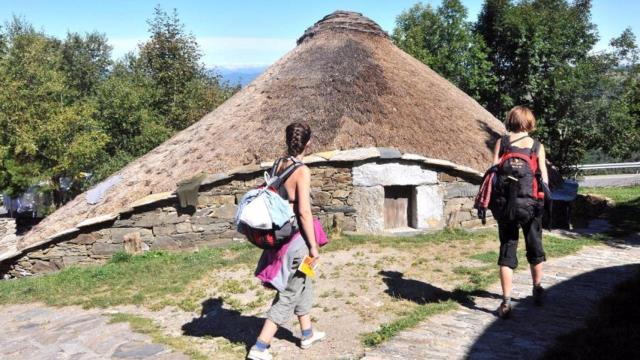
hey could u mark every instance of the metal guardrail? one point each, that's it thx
(626, 165)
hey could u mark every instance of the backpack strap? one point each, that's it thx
(277, 181)
(504, 144)
(535, 148)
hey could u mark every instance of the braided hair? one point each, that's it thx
(297, 136)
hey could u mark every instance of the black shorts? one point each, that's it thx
(508, 232)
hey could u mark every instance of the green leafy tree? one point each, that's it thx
(86, 61)
(171, 59)
(444, 40)
(45, 136)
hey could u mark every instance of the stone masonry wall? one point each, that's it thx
(459, 197)
(169, 227)
(446, 199)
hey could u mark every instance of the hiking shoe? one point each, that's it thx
(256, 354)
(307, 342)
(538, 295)
(504, 310)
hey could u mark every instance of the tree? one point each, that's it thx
(46, 134)
(86, 61)
(445, 41)
(171, 59)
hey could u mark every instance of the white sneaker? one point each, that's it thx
(255, 354)
(317, 336)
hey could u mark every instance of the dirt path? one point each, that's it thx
(575, 284)
(35, 331)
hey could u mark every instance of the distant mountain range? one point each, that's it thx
(239, 76)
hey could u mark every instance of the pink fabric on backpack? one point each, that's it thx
(321, 236)
(269, 269)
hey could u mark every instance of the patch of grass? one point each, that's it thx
(452, 236)
(232, 287)
(478, 278)
(489, 257)
(409, 320)
(147, 279)
(619, 194)
(612, 333)
(624, 216)
(147, 326)
(557, 247)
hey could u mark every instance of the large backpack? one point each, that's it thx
(517, 189)
(263, 216)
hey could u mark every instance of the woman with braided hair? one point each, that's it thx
(295, 295)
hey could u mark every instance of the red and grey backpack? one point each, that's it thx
(517, 181)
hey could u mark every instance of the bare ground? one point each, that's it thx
(354, 292)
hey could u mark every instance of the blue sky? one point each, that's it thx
(248, 33)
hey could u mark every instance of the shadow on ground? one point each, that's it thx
(423, 293)
(532, 329)
(216, 321)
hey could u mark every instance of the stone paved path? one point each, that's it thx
(575, 284)
(35, 332)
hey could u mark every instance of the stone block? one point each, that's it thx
(39, 267)
(84, 239)
(133, 243)
(340, 209)
(227, 211)
(372, 174)
(118, 234)
(341, 194)
(153, 198)
(215, 228)
(97, 220)
(413, 157)
(72, 260)
(369, 205)
(321, 198)
(165, 243)
(389, 153)
(429, 207)
(349, 223)
(342, 178)
(356, 154)
(164, 230)
(460, 189)
(337, 202)
(187, 240)
(444, 177)
(105, 249)
(184, 228)
(216, 200)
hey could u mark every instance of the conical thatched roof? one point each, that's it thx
(347, 79)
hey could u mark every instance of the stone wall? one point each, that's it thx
(166, 226)
(459, 197)
(347, 194)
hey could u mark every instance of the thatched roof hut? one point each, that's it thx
(347, 79)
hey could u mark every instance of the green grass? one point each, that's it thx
(404, 242)
(624, 216)
(387, 331)
(143, 279)
(147, 326)
(619, 194)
